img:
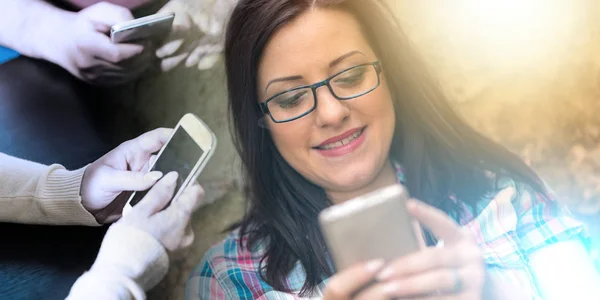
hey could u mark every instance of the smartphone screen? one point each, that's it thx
(180, 155)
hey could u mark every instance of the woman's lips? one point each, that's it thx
(346, 146)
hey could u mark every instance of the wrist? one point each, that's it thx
(59, 191)
(132, 253)
(82, 189)
(49, 42)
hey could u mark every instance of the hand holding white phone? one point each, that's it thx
(390, 263)
(187, 152)
(79, 43)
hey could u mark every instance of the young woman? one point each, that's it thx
(329, 101)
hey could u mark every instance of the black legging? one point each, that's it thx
(49, 117)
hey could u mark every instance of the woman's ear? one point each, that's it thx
(263, 123)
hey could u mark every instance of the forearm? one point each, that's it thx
(129, 263)
(26, 26)
(32, 193)
(92, 286)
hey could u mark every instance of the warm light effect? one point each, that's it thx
(569, 275)
(499, 35)
(520, 33)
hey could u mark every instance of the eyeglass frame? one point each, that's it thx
(264, 105)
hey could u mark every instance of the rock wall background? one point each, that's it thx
(524, 72)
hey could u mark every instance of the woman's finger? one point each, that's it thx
(172, 62)
(194, 58)
(107, 14)
(442, 226)
(447, 281)
(179, 212)
(429, 259)
(207, 45)
(158, 196)
(139, 150)
(208, 61)
(169, 48)
(190, 199)
(373, 292)
(118, 181)
(178, 36)
(148, 143)
(176, 219)
(149, 163)
(99, 45)
(169, 63)
(349, 281)
(181, 30)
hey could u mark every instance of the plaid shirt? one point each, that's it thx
(511, 224)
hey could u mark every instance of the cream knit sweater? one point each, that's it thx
(129, 262)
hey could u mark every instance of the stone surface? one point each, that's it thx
(530, 83)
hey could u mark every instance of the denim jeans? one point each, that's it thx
(46, 116)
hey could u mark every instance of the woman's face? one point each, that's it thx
(341, 146)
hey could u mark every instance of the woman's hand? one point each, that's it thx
(345, 284)
(187, 44)
(121, 170)
(79, 43)
(455, 271)
(136, 247)
(170, 226)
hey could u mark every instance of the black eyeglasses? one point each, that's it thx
(298, 102)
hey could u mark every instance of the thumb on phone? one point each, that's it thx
(104, 15)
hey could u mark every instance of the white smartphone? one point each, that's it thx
(189, 148)
(373, 226)
(155, 26)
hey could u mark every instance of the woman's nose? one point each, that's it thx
(330, 111)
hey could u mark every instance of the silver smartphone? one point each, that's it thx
(187, 152)
(373, 226)
(155, 26)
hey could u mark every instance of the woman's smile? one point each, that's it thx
(342, 144)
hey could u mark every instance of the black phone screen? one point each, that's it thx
(180, 155)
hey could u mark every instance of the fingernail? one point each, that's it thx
(171, 178)
(153, 176)
(385, 274)
(374, 265)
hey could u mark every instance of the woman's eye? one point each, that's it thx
(352, 77)
(291, 100)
